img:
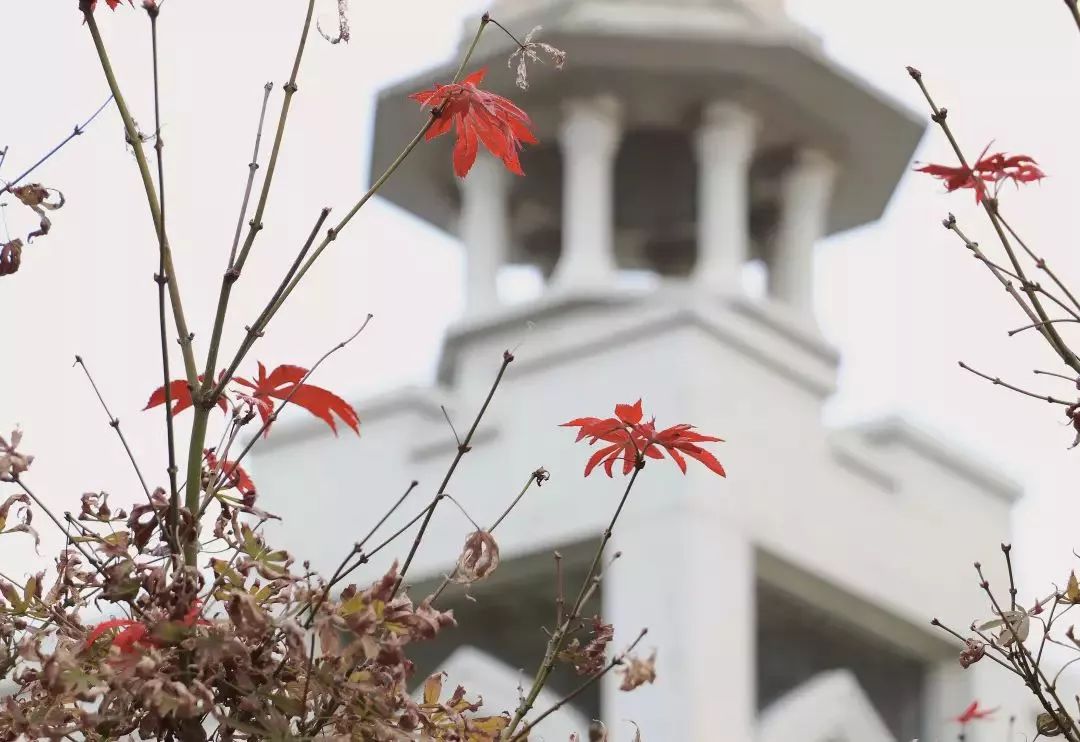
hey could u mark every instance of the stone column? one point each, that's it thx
(484, 229)
(688, 575)
(725, 147)
(589, 138)
(806, 195)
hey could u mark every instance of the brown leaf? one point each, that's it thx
(13, 463)
(636, 672)
(478, 559)
(36, 196)
(10, 257)
(1072, 590)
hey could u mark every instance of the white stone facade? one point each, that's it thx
(860, 534)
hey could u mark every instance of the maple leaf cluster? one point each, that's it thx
(284, 383)
(631, 440)
(988, 169)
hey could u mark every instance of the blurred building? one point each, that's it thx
(685, 141)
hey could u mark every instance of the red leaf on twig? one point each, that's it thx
(237, 476)
(285, 382)
(477, 116)
(111, 3)
(995, 168)
(180, 395)
(631, 441)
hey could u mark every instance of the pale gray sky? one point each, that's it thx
(901, 299)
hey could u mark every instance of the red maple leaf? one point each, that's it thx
(180, 395)
(136, 633)
(477, 116)
(631, 441)
(974, 713)
(285, 382)
(111, 3)
(995, 168)
(237, 477)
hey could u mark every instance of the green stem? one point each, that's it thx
(206, 400)
(333, 233)
(234, 270)
(194, 480)
(151, 194)
(170, 429)
(555, 644)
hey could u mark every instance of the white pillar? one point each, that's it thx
(725, 147)
(589, 138)
(688, 576)
(806, 195)
(484, 229)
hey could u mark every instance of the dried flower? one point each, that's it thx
(478, 559)
(13, 463)
(973, 651)
(527, 52)
(590, 658)
(637, 672)
(1015, 625)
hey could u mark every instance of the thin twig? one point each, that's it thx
(253, 166)
(462, 449)
(277, 411)
(611, 665)
(534, 477)
(150, 189)
(78, 130)
(990, 206)
(560, 589)
(1006, 549)
(998, 382)
(63, 529)
(358, 548)
(1071, 5)
(963, 641)
(950, 223)
(172, 521)
(1040, 263)
(1070, 379)
(1034, 672)
(555, 643)
(204, 400)
(114, 423)
(457, 438)
(1041, 324)
(255, 329)
(333, 233)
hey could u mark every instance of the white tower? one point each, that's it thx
(684, 138)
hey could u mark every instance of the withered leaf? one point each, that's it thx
(1072, 589)
(36, 196)
(636, 672)
(478, 559)
(10, 257)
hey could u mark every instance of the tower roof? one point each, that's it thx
(664, 61)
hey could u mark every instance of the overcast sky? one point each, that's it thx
(900, 298)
